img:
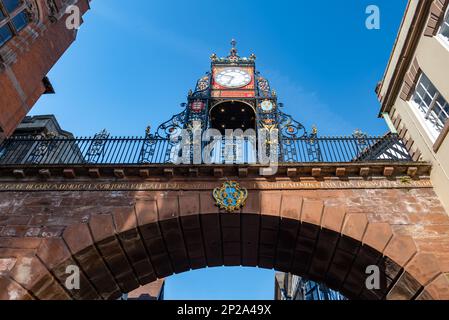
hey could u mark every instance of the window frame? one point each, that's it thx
(8, 18)
(430, 112)
(445, 21)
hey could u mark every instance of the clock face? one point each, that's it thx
(267, 106)
(233, 78)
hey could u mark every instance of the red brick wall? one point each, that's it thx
(122, 240)
(27, 58)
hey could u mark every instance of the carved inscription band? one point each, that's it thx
(152, 186)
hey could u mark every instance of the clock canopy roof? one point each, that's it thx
(233, 58)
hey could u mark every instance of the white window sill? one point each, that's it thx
(430, 130)
(443, 40)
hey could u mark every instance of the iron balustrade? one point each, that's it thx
(144, 150)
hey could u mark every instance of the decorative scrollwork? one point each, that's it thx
(148, 151)
(203, 84)
(361, 138)
(42, 148)
(171, 131)
(264, 87)
(96, 149)
(289, 127)
(313, 146)
(173, 126)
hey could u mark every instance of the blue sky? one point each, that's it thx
(132, 65)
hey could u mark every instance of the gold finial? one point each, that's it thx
(213, 57)
(252, 57)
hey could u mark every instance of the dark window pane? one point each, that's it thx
(11, 5)
(445, 29)
(2, 16)
(5, 34)
(20, 21)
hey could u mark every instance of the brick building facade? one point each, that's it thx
(414, 91)
(33, 37)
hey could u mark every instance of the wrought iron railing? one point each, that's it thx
(139, 150)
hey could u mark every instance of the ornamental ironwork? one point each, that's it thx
(157, 150)
(42, 148)
(96, 149)
(263, 87)
(288, 141)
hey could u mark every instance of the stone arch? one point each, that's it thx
(174, 232)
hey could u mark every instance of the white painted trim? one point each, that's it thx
(430, 130)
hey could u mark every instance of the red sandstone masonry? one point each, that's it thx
(136, 237)
(29, 60)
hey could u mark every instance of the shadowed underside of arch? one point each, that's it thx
(119, 251)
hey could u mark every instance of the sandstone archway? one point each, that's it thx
(142, 236)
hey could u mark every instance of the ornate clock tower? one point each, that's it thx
(234, 95)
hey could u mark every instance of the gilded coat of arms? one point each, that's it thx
(230, 196)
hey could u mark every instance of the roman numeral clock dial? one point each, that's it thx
(233, 78)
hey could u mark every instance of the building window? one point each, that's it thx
(432, 106)
(13, 18)
(444, 29)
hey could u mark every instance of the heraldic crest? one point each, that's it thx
(230, 196)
